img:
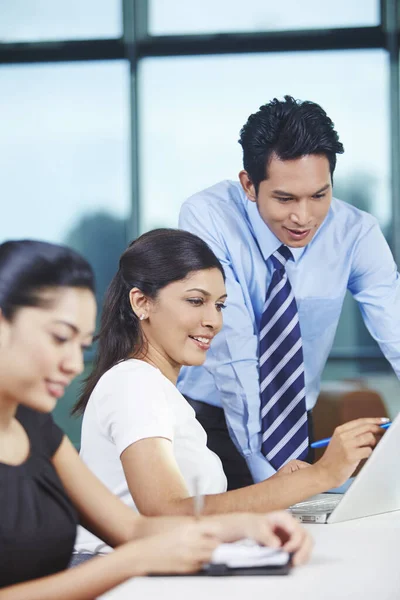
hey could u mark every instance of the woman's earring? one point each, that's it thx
(142, 317)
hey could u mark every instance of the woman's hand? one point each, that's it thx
(292, 466)
(275, 529)
(350, 444)
(182, 550)
(291, 535)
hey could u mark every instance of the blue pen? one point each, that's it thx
(325, 442)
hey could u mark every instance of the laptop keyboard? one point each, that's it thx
(321, 503)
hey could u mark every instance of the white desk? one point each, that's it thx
(356, 560)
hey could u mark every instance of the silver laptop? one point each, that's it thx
(375, 490)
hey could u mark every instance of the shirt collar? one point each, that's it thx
(267, 241)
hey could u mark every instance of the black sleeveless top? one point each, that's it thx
(37, 520)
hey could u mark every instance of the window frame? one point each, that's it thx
(136, 44)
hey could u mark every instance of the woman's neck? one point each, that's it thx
(8, 409)
(155, 358)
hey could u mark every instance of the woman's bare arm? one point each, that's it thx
(183, 550)
(115, 523)
(100, 511)
(81, 583)
(165, 491)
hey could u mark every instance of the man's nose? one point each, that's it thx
(301, 215)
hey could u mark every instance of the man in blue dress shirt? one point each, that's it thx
(283, 200)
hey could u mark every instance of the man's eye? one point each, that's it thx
(284, 199)
(319, 196)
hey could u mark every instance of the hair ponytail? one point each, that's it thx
(120, 335)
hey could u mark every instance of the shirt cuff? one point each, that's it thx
(259, 467)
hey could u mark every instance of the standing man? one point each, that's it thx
(290, 250)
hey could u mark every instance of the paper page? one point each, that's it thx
(247, 553)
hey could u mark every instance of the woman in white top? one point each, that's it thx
(139, 434)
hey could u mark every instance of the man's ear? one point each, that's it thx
(139, 303)
(248, 186)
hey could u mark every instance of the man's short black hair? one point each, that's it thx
(288, 129)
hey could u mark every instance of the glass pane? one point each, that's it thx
(23, 21)
(64, 162)
(187, 146)
(169, 17)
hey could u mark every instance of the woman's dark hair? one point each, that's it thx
(150, 263)
(29, 267)
(289, 129)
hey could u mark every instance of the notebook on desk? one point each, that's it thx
(246, 557)
(375, 490)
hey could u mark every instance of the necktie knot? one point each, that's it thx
(280, 257)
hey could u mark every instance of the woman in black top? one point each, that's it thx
(38, 522)
(47, 317)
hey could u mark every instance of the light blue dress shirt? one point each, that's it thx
(348, 251)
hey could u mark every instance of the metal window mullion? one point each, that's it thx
(141, 45)
(351, 38)
(135, 17)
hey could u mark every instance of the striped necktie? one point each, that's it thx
(282, 390)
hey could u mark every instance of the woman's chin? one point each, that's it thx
(41, 404)
(194, 361)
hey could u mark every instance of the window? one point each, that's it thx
(64, 165)
(222, 16)
(186, 146)
(47, 20)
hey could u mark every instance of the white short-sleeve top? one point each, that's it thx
(133, 401)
